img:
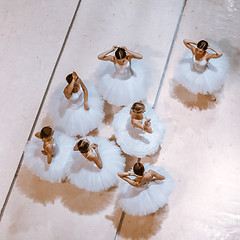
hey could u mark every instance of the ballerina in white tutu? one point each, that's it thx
(80, 111)
(90, 152)
(197, 74)
(50, 163)
(138, 130)
(123, 86)
(95, 165)
(144, 190)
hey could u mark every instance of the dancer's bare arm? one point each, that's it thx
(49, 150)
(189, 44)
(156, 175)
(97, 159)
(68, 89)
(145, 127)
(137, 123)
(131, 54)
(85, 92)
(105, 57)
(125, 177)
(217, 54)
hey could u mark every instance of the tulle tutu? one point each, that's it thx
(147, 199)
(37, 162)
(85, 174)
(135, 141)
(208, 81)
(123, 92)
(76, 121)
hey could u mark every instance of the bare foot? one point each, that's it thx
(66, 180)
(211, 97)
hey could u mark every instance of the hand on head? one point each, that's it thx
(114, 47)
(94, 146)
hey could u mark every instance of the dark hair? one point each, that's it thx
(120, 53)
(83, 145)
(138, 169)
(138, 107)
(46, 132)
(69, 78)
(202, 44)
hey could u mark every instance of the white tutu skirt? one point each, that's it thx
(86, 175)
(76, 121)
(123, 92)
(37, 162)
(135, 141)
(208, 81)
(147, 199)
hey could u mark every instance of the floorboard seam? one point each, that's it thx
(169, 55)
(40, 108)
(157, 95)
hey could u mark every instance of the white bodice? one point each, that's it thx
(144, 118)
(93, 151)
(199, 66)
(76, 99)
(123, 72)
(54, 152)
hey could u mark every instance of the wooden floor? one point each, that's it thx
(43, 41)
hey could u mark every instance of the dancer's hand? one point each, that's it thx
(147, 122)
(86, 107)
(94, 146)
(74, 75)
(146, 126)
(44, 152)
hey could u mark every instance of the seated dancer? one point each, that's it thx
(138, 130)
(50, 163)
(79, 110)
(137, 118)
(48, 142)
(94, 164)
(90, 152)
(144, 192)
(123, 86)
(196, 73)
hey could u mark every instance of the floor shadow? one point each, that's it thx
(85, 202)
(36, 189)
(152, 158)
(130, 161)
(110, 110)
(75, 199)
(94, 133)
(135, 227)
(190, 100)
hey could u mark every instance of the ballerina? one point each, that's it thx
(46, 135)
(123, 86)
(80, 111)
(50, 163)
(138, 130)
(198, 75)
(94, 164)
(144, 190)
(90, 152)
